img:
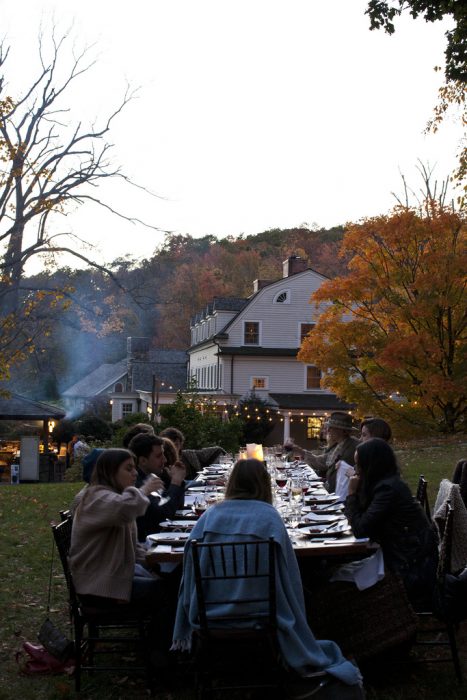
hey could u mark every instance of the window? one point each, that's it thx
(313, 428)
(118, 387)
(251, 333)
(282, 297)
(127, 409)
(259, 382)
(305, 328)
(313, 377)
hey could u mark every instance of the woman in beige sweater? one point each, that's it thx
(104, 548)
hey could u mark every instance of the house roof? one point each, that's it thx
(97, 381)
(169, 366)
(220, 304)
(18, 408)
(317, 402)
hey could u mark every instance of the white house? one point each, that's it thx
(140, 383)
(244, 345)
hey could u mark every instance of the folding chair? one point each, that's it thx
(101, 632)
(422, 496)
(236, 645)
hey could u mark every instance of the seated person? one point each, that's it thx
(339, 429)
(247, 513)
(375, 427)
(108, 566)
(150, 459)
(194, 460)
(136, 429)
(380, 506)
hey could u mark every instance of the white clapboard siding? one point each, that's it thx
(279, 323)
(285, 375)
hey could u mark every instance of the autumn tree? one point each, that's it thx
(47, 164)
(392, 336)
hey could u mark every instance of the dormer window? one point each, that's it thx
(251, 330)
(282, 297)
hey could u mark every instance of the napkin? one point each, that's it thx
(364, 572)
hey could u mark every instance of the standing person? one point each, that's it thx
(380, 506)
(247, 513)
(104, 554)
(80, 448)
(339, 430)
(150, 459)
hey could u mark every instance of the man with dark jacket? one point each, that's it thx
(150, 459)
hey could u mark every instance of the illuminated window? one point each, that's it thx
(251, 333)
(259, 382)
(313, 377)
(313, 427)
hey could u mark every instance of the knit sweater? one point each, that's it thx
(103, 548)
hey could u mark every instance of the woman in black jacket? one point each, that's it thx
(380, 506)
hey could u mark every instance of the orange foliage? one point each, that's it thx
(392, 335)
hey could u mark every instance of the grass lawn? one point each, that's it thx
(25, 549)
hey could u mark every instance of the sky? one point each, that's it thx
(249, 114)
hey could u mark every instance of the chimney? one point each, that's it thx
(293, 265)
(137, 350)
(259, 284)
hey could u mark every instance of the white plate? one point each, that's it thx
(169, 537)
(325, 530)
(174, 524)
(323, 518)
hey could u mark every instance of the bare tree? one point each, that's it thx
(46, 164)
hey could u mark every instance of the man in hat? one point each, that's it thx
(339, 430)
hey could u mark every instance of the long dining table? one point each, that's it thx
(314, 518)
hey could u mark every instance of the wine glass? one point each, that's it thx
(199, 505)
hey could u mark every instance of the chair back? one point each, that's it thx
(62, 537)
(444, 564)
(460, 477)
(235, 584)
(422, 495)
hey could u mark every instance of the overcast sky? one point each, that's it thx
(251, 114)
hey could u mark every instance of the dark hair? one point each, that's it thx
(375, 461)
(143, 443)
(107, 466)
(249, 480)
(136, 429)
(173, 434)
(377, 427)
(170, 451)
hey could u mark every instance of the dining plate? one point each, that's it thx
(325, 530)
(177, 524)
(186, 514)
(322, 517)
(168, 537)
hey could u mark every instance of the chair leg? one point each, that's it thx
(454, 652)
(78, 653)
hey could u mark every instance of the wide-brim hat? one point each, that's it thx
(341, 421)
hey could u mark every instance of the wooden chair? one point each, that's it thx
(422, 496)
(99, 632)
(445, 636)
(236, 645)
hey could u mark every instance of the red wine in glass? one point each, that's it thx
(305, 488)
(281, 482)
(199, 510)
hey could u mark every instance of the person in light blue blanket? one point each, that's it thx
(247, 513)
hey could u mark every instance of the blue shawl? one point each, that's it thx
(235, 519)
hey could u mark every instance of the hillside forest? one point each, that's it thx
(154, 297)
